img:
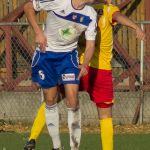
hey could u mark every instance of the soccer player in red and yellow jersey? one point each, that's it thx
(98, 82)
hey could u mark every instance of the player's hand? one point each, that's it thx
(140, 34)
(83, 71)
(41, 40)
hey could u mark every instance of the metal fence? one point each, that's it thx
(131, 84)
(20, 99)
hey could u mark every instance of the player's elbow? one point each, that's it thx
(28, 6)
(117, 16)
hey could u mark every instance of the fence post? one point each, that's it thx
(141, 78)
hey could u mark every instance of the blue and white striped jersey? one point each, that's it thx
(65, 24)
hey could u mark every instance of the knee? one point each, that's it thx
(50, 101)
(72, 102)
(50, 95)
(104, 113)
(105, 116)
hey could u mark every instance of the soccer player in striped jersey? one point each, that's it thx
(55, 60)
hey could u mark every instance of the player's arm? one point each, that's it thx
(90, 36)
(122, 19)
(31, 16)
(89, 51)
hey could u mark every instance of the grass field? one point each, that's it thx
(16, 141)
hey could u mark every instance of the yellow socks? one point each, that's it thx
(39, 123)
(107, 133)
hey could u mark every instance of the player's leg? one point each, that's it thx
(44, 74)
(39, 123)
(105, 111)
(101, 92)
(69, 78)
(74, 115)
(106, 125)
(52, 116)
(37, 127)
(50, 110)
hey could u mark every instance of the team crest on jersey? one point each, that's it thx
(41, 74)
(68, 77)
(74, 17)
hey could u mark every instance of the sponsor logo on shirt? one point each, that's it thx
(68, 34)
(68, 77)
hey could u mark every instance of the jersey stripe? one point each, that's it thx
(76, 17)
(42, 1)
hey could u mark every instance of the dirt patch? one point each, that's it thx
(132, 129)
(19, 128)
(118, 129)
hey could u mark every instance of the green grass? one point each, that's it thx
(14, 141)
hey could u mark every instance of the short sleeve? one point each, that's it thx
(111, 10)
(90, 33)
(46, 5)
